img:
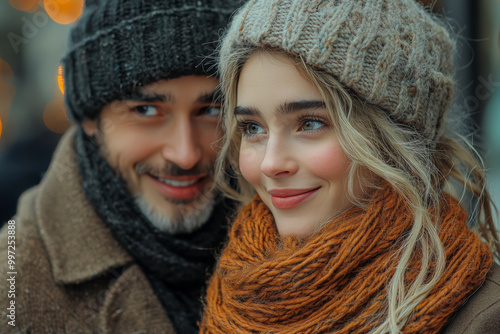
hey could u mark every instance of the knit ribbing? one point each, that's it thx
(391, 53)
(335, 282)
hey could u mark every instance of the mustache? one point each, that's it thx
(172, 169)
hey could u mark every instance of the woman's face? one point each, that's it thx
(289, 150)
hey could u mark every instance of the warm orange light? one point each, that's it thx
(0, 128)
(54, 116)
(25, 5)
(60, 79)
(64, 11)
(5, 70)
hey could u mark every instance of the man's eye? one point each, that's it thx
(146, 110)
(210, 111)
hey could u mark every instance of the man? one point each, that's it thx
(120, 234)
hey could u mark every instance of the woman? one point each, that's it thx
(334, 117)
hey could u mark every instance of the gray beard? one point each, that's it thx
(191, 215)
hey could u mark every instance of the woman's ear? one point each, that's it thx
(90, 127)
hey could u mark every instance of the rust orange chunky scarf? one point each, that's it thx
(336, 280)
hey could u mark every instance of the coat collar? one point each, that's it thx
(79, 245)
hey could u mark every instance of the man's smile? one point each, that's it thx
(184, 187)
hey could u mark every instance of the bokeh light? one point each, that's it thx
(64, 11)
(0, 127)
(29, 6)
(54, 116)
(60, 79)
(5, 70)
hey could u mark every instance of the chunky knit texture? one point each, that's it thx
(392, 53)
(335, 281)
(120, 45)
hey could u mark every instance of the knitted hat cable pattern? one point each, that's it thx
(118, 46)
(392, 53)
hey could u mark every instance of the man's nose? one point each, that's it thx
(182, 146)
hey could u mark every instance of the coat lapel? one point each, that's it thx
(79, 245)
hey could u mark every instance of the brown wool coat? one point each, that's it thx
(481, 313)
(72, 276)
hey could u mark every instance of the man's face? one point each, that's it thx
(161, 143)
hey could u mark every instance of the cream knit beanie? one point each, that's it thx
(392, 53)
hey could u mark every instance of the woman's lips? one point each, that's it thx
(290, 198)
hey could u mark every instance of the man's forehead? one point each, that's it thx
(199, 88)
(192, 79)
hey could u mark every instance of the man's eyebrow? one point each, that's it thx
(249, 111)
(145, 97)
(295, 106)
(212, 97)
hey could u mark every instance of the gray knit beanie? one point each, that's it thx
(119, 45)
(392, 53)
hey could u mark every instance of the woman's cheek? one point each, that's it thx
(328, 162)
(250, 164)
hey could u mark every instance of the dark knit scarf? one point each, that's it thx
(336, 280)
(177, 266)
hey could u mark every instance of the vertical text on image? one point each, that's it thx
(11, 272)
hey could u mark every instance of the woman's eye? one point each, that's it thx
(311, 125)
(254, 129)
(249, 128)
(146, 110)
(210, 111)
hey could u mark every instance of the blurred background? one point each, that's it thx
(33, 38)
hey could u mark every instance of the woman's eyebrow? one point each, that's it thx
(295, 106)
(285, 108)
(249, 111)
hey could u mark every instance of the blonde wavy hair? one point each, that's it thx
(393, 152)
